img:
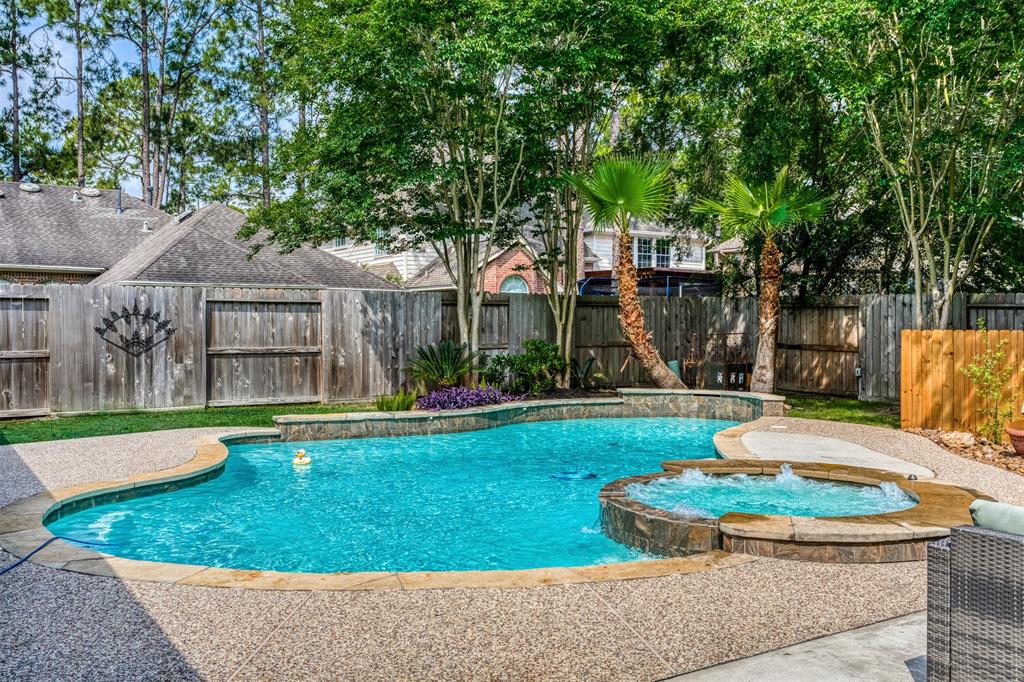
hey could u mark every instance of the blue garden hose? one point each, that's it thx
(25, 558)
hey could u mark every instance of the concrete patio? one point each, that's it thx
(62, 625)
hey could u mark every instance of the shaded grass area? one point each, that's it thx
(61, 428)
(843, 410)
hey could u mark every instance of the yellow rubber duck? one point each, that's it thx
(301, 458)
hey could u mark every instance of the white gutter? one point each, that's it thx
(51, 268)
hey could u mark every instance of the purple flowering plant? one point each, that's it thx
(460, 397)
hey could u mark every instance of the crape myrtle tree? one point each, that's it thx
(940, 87)
(587, 59)
(417, 141)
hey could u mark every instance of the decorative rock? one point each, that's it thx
(957, 439)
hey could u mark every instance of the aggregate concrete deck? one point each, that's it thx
(890, 651)
(62, 625)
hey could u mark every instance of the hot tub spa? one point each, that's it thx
(806, 511)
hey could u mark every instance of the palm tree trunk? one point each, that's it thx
(763, 380)
(631, 317)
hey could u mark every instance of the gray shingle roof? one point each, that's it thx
(49, 228)
(202, 248)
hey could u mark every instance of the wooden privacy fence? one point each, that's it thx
(69, 348)
(935, 392)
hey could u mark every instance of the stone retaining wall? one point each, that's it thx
(728, 405)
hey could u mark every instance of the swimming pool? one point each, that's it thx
(512, 497)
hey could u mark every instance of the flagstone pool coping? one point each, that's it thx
(22, 524)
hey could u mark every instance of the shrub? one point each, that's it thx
(442, 365)
(459, 397)
(400, 402)
(989, 377)
(581, 371)
(533, 371)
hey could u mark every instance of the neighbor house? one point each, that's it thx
(665, 264)
(79, 235)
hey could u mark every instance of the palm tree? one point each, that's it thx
(764, 212)
(620, 189)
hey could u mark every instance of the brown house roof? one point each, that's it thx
(51, 228)
(201, 248)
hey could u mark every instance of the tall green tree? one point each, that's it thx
(419, 142)
(746, 88)
(21, 63)
(765, 211)
(940, 84)
(80, 23)
(585, 61)
(173, 40)
(621, 190)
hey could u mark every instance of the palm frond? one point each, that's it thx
(769, 207)
(623, 187)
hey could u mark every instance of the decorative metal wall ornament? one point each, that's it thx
(135, 331)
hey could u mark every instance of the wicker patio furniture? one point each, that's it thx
(976, 606)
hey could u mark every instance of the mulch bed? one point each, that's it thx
(969, 447)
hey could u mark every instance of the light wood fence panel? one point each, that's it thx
(935, 393)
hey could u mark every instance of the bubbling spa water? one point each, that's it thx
(694, 493)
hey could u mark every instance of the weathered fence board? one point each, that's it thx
(935, 392)
(818, 348)
(370, 336)
(91, 373)
(24, 353)
(262, 350)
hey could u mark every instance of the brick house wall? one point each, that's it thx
(515, 261)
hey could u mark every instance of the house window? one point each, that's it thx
(340, 242)
(514, 284)
(380, 247)
(643, 252)
(693, 254)
(663, 253)
(649, 252)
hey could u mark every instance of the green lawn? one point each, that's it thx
(843, 410)
(60, 428)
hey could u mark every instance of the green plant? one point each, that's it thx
(622, 189)
(443, 364)
(400, 402)
(763, 212)
(581, 371)
(533, 371)
(989, 377)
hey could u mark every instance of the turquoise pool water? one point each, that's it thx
(513, 497)
(698, 494)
